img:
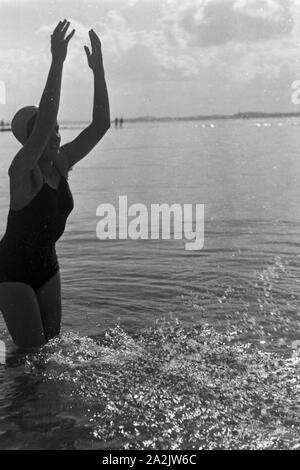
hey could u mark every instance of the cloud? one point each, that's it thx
(139, 55)
(191, 55)
(207, 23)
(20, 67)
(270, 9)
(133, 56)
(235, 43)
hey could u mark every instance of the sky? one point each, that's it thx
(161, 57)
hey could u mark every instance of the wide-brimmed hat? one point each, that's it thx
(20, 121)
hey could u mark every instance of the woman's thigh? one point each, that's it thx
(21, 312)
(49, 300)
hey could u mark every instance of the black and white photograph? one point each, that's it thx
(149, 227)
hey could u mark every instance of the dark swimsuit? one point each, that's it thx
(27, 249)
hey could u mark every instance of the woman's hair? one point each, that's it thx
(30, 124)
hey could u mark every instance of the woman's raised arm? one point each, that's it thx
(33, 148)
(74, 151)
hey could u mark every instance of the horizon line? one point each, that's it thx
(239, 115)
(150, 118)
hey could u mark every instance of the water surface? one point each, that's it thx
(163, 347)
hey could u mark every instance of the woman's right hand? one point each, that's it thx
(59, 43)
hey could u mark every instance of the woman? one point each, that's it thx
(40, 200)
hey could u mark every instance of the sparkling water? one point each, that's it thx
(163, 348)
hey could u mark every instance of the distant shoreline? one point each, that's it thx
(210, 117)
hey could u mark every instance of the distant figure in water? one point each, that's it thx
(116, 122)
(1, 123)
(41, 200)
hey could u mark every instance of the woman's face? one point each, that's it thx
(53, 144)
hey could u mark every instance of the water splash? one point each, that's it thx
(262, 308)
(174, 387)
(232, 385)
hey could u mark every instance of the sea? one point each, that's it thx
(163, 347)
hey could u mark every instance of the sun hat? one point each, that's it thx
(20, 121)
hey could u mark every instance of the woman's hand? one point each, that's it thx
(95, 57)
(59, 43)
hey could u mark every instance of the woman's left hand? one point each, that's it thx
(59, 43)
(95, 57)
